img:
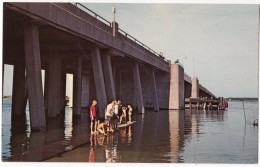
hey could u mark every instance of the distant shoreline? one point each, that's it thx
(242, 98)
(7, 97)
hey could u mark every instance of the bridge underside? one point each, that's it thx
(102, 72)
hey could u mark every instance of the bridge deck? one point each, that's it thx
(69, 18)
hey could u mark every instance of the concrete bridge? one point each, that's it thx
(106, 63)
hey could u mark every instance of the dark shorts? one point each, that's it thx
(93, 120)
(109, 118)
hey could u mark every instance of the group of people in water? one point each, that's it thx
(115, 114)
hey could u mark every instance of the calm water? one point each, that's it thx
(166, 136)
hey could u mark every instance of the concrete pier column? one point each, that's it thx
(19, 97)
(114, 74)
(54, 73)
(99, 81)
(109, 79)
(138, 89)
(176, 99)
(77, 83)
(154, 91)
(62, 89)
(46, 81)
(34, 79)
(194, 87)
(85, 89)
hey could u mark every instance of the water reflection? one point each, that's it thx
(176, 124)
(165, 136)
(17, 137)
(68, 123)
(156, 137)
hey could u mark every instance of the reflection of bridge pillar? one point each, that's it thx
(77, 83)
(109, 79)
(19, 97)
(176, 125)
(176, 99)
(138, 89)
(34, 79)
(194, 87)
(99, 81)
(54, 79)
(154, 90)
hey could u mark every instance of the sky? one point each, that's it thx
(217, 43)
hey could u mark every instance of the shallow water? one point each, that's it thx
(165, 136)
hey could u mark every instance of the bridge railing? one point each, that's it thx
(140, 43)
(206, 90)
(100, 18)
(92, 13)
(187, 77)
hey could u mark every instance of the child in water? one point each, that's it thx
(130, 111)
(93, 120)
(123, 116)
(101, 127)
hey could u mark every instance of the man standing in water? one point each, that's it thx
(110, 110)
(93, 117)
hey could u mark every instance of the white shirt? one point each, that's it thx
(109, 108)
(116, 109)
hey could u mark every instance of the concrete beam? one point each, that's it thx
(19, 97)
(194, 87)
(85, 89)
(109, 79)
(63, 88)
(99, 81)
(94, 31)
(77, 83)
(46, 81)
(176, 99)
(138, 89)
(54, 73)
(154, 91)
(34, 79)
(163, 88)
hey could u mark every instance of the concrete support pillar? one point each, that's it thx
(54, 73)
(3, 73)
(85, 89)
(62, 90)
(194, 87)
(109, 79)
(138, 89)
(46, 81)
(114, 74)
(99, 81)
(77, 83)
(176, 99)
(19, 97)
(154, 91)
(34, 79)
